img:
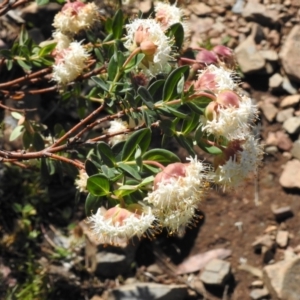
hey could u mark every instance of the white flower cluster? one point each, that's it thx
(75, 16)
(176, 197)
(149, 35)
(120, 225)
(69, 63)
(81, 181)
(230, 116)
(70, 55)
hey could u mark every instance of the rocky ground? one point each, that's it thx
(246, 244)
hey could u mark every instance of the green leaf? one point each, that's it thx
(146, 97)
(189, 124)
(99, 55)
(23, 65)
(138, 157)
(16, 132)
(112, 68)
(156, 89)
(46, 50)
(130, 170)
(177, 31)
(180, 85)
(38, 142)
(168, 127)
(174, 111)
(98, 185)
(142, 138)
(23, 38)
(106, 154)
(9, 64)
(16, 115)
(101, 83)
(42, 2)
(117, 24)
(208, 148)
(161, 155)
(169, 90)
(91, 168)
(92, 203)
(134, 62)
(27, 139)
(185, 143)
(59, 131)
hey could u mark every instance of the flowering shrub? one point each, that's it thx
(133, 84)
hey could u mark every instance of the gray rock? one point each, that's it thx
(290, 177)
(284, 114)
(296, 149)
(269, 55)
(282, 213)
(111, 264)
(200, 9)
(288, 86)
(249, 59)
(264, 240)
(269, 110)
(254, 11)
(271, 149)
(289, 54)
(258, 294)
(148, 291)
(216, 272)
(290, 101)
(238, 6)
(282, 238)
(275, 81)
(292, 125)
(282, 279)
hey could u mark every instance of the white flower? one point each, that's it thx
(119, 224)
(147, 33)
(232, 122)
(76, 16)
(69, 63)
(217, 79)
(119, 126)
(242, 165)
(62, 40)
(177, 194)
(81, 181)
(175, 219)
(167, 15)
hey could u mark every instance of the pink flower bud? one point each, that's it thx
(174, 170)
(117, 215)
(73, 6)
(141, 35)
(206, 81)
(228, 98)
(222, 51)
(207, 57)
(211, 111)
(148, 48)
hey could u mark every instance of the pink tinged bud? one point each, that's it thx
(171, 171)
(141, 35)
(222, 51)
(228, 98)
(207, 57)
(117, 215)
(73, 6)
(148, 48)
(211, 111)
(206, 81)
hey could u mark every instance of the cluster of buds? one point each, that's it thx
(228, 119)
(70, 55)
(177, 191)
(148, 36)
